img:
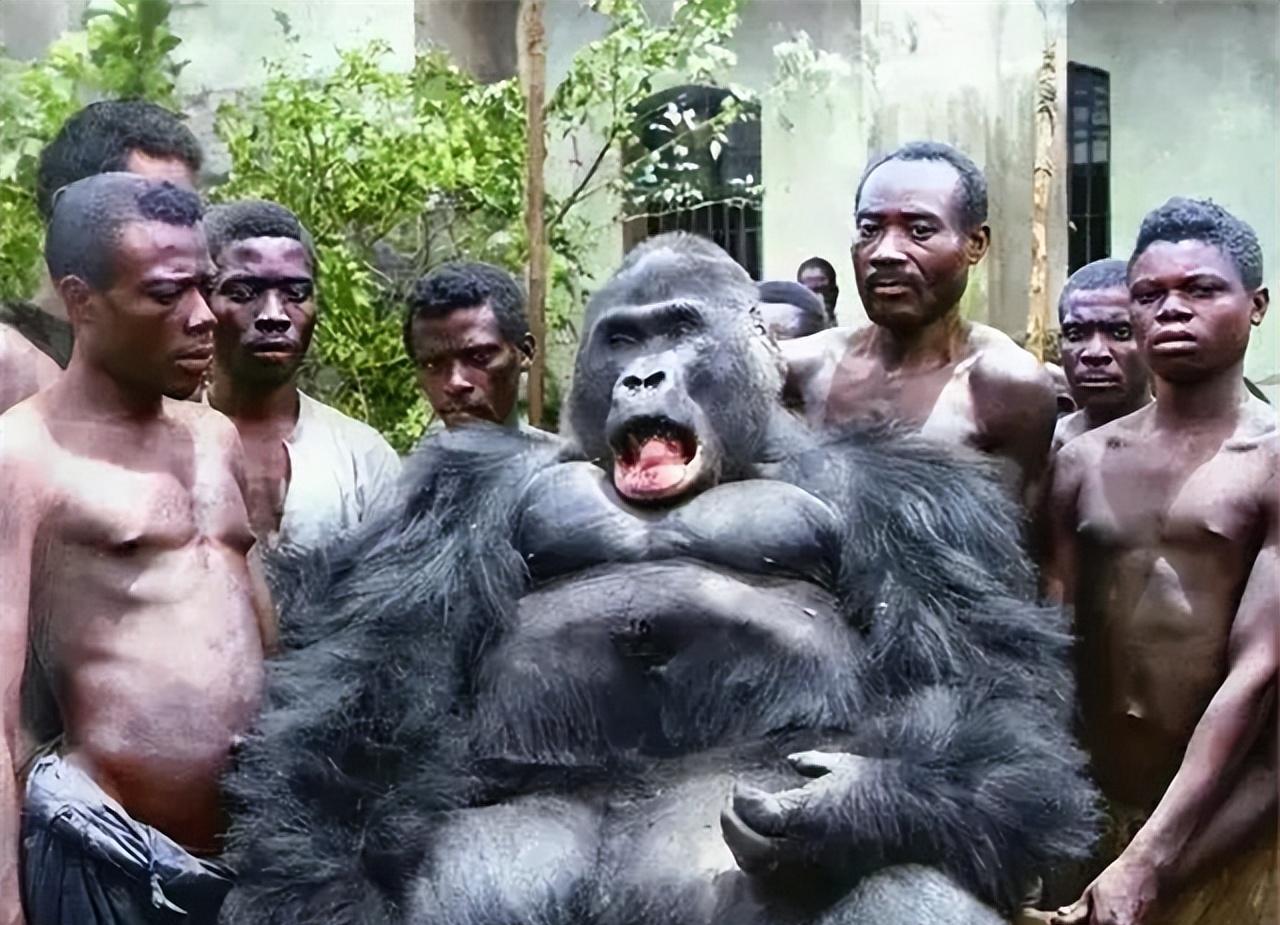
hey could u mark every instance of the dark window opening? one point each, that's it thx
(717, 181)
(1089, 154)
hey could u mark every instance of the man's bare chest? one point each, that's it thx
(1148, 498)
(146, 504)
(937, 401)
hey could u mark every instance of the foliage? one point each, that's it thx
(125, 51)
(395, 173)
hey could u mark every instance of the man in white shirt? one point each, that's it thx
(312, 472)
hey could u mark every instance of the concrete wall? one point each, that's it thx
(1195, 111)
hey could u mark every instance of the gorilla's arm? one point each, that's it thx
(356, 744)
(967, 763)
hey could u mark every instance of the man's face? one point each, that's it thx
(911, 256)
(815, 279)
(264, 299)
(466, 368)
(161, 169)
(1192, 311)
(152, 329)
(1100, 353)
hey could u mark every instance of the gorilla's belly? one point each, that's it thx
(663, 658)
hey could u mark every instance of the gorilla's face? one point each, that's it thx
(674, 395)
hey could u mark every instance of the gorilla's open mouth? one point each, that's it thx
(655, 458)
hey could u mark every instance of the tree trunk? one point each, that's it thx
(1042, 180)
(533, 76)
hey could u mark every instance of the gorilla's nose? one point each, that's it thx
(636, 383)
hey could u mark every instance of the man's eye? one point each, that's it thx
(165, 296)
(296, 292)
(867, 229)
(238, 292)
(1202, 292)
(481, 357)
(1072, 334)
(922, 232)
(1146, 298)
(1122, 332)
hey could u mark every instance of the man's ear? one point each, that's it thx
(78, 297)
(977, 244)
(1258, 311)
(528, 346)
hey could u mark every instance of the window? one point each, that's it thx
(692, 180)
(1089, 153)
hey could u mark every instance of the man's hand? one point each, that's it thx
(771, 833)
(1123, 894)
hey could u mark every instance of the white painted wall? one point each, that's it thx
(1195, 111)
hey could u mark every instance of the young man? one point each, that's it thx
(789, 310)
(130, 618)
(1104, 366)
(819, 276)
(921, 217)
(468, 335)
(1164, 536)
(127, 135)
(312, 472)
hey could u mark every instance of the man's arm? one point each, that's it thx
(18, 520)
(1059, 516)
(807, 359)
(1016, 409)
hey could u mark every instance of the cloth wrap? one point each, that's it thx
(85, 862)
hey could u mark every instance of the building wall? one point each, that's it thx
(1195, 111)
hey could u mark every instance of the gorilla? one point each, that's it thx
(692, 664)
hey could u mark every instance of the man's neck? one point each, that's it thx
(1215, 398)
(253, 404)
(931, 346)
(93, 393)
(1096, 416)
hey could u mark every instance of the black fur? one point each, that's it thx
(958, 692)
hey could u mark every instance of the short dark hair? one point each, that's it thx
(817, 263)
(789, 293)
(972, 208)
(465, 284)
(230, 222)
(89, 215)
(1107, 273)
(100, 138)
(1203, 220)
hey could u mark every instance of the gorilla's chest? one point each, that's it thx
(668, 631)
(573, 520)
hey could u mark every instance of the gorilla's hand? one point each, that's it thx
(811, 826)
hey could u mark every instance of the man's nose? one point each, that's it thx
(1096, 352)
(200, 317)
(1173, 309)
(271, 317)
(888, 249)
(456, 383)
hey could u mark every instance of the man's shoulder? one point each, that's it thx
(25, 444)
(999, 360)
(1069, 427)
(815, 348)
(1118, 435)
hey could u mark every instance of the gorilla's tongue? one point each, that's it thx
(658, 465)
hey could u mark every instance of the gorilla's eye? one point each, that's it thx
(617, 339)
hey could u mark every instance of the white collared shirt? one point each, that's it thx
(342, 472)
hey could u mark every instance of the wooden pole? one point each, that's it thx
(533, 75)
(1042, 181)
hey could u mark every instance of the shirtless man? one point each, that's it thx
(921, 217)
(1104, 366)
(311, 471)
(129, 615)
(1164, 537)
